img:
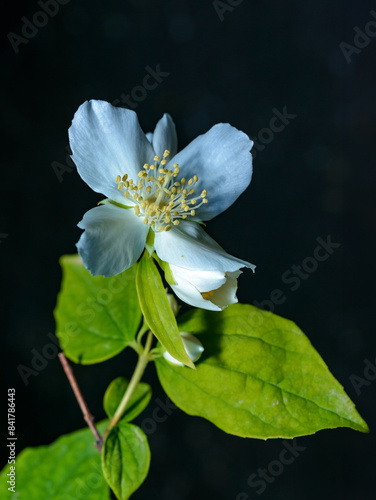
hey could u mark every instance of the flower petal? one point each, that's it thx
(226, 294)
(107, 141)
(190, 294)
(222, 161)
(113, 239)
(188, 246)
(164, 137)
(202, 280)
(212, 290)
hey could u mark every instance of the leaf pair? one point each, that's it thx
(71, 468)
(126, 453)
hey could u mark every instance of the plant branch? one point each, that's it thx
(143, 360)
(88, 417)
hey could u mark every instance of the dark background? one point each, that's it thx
(313, 179)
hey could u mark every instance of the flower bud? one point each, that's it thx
(192, 345)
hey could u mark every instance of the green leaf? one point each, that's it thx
(96, 317)
(125, 459)
(138, 402)
(68, 469)
(157, 310)
(259, 377)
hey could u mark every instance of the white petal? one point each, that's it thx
(149, 136)
(113, 239)
(190, 285)
(191, 296)
(107, 141)
(188, 246)
(203, 280)
(222, 161)
(226, 294)
(165, 137)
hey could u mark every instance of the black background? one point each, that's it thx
(315, 178)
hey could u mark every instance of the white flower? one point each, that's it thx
(193, 348)
(151, 187)
(213, 290)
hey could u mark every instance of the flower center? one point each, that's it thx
(158, 197)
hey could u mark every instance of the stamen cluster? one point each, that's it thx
(159, 197)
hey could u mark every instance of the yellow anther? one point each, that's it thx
(126, 184)
(193, 212)
(195, 178)
(167, 219)
(152, 167)
(151, 222)
(176, 214)
(156, 158)
(163, 171)
(160, 229)
(140, 185)
(175, 165)
(142, 174)
(193, 202)
(179, 190)
(126, 194)
(118, 179)
(137, 210)
(143, 204)
(172, 196)
(185, 192)
(135, 196)
(186, 208)
(166, 153)
(190, 182)
(176, 222)
(120, 186)
(176, 184)
(148, 189)
(173, 190)
(140, 198)
(125, 177)
(205, 200)
(183, 181)
(163, 162)
(191, 191)
(204, 193)
(160, 178)
(145, 221)
(130, 181)
(207, 295)
(184, 216)
(168, 227)
(146, 166)
(170, 204)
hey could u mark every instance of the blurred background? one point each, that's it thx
(304, 67)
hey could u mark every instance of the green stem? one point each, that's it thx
(143, 360)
